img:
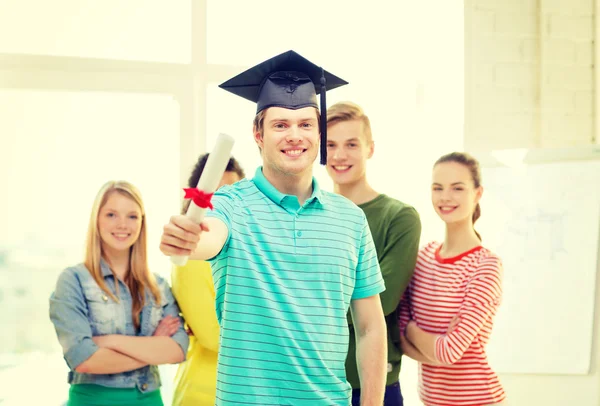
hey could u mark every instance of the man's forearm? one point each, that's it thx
(371, 356)
(211, 242)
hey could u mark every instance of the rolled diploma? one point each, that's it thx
(209, 180)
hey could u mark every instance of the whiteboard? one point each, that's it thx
(543, 221)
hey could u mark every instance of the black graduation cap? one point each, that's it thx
(290, 81)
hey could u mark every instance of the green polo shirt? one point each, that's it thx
(396, 230)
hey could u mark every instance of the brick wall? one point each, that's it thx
(529, 83)
(529, 73)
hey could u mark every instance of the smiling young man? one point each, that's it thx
(395, 227)
(289, 260)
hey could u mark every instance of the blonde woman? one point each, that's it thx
(114, 319)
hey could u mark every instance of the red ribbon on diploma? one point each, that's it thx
(200, 198)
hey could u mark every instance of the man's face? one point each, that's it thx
(347, 152)
(290, 140)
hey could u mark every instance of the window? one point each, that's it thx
(138, 30)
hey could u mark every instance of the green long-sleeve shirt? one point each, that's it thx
(396, 230)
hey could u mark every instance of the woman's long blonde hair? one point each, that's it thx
(138, 278)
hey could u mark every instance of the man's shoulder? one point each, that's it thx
(237, 190)
(396, 205)
(239, 194)
(338, 202)
(392, 208)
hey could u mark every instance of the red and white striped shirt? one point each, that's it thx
(467, 286)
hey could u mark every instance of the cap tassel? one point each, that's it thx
(323, 119)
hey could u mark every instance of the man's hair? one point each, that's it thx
(348, 111)
(232, 166)
(259, 122)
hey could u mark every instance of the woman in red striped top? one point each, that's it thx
(447, 313)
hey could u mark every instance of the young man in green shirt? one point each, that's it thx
(395, 226)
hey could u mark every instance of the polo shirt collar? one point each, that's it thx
(280, 198)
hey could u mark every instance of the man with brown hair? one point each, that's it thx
(289, 259)
(395, 227)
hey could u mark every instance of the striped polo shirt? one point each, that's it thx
(284, 281)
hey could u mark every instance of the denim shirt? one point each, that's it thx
(79, 310)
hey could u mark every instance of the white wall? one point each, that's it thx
(529, 83)
(529, 73)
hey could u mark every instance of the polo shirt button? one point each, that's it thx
(299, 233)
(145, 386)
